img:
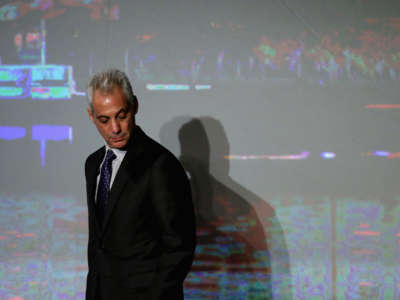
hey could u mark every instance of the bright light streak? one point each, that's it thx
(367, 233)
(200, 87)
(382, 153)
(328, 155)
(300, 156)
(167, 87)
(382, 106)
(394, 155)
(12, 132)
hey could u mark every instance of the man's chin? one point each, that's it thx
(118, 144)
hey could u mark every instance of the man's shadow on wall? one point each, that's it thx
(236, 229)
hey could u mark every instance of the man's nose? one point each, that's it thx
(115, 126)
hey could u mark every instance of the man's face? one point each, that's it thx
(113, 117)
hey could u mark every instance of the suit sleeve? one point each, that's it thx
(91, 241)
(172, 202)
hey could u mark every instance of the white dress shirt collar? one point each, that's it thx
(120, 154)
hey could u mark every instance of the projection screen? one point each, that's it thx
(283, 113)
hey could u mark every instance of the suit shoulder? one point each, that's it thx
(92, 157)
(159, 151)
(161, 155)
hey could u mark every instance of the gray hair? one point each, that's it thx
(106, 80)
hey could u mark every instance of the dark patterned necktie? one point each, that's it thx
(103, 190)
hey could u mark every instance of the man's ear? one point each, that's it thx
(90, 113)
(135, 105)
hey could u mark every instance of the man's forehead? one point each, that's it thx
(115, 94)
(104, 102)
(108, 91)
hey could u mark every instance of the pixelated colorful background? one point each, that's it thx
(285, 115)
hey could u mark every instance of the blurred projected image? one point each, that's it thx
(41, 255)
(42, 238)
(38, 82)
(28, 45)
(339, 54)
(301, 203)
(33, 78)
(217, 49)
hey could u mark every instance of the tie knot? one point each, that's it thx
(110, 156)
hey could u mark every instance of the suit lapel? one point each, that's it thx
(127, 169)
(93, 172)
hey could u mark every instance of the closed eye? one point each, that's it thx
(103, 120)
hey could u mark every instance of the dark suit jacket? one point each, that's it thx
(147, 238)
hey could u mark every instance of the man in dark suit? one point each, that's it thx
(141, 218)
